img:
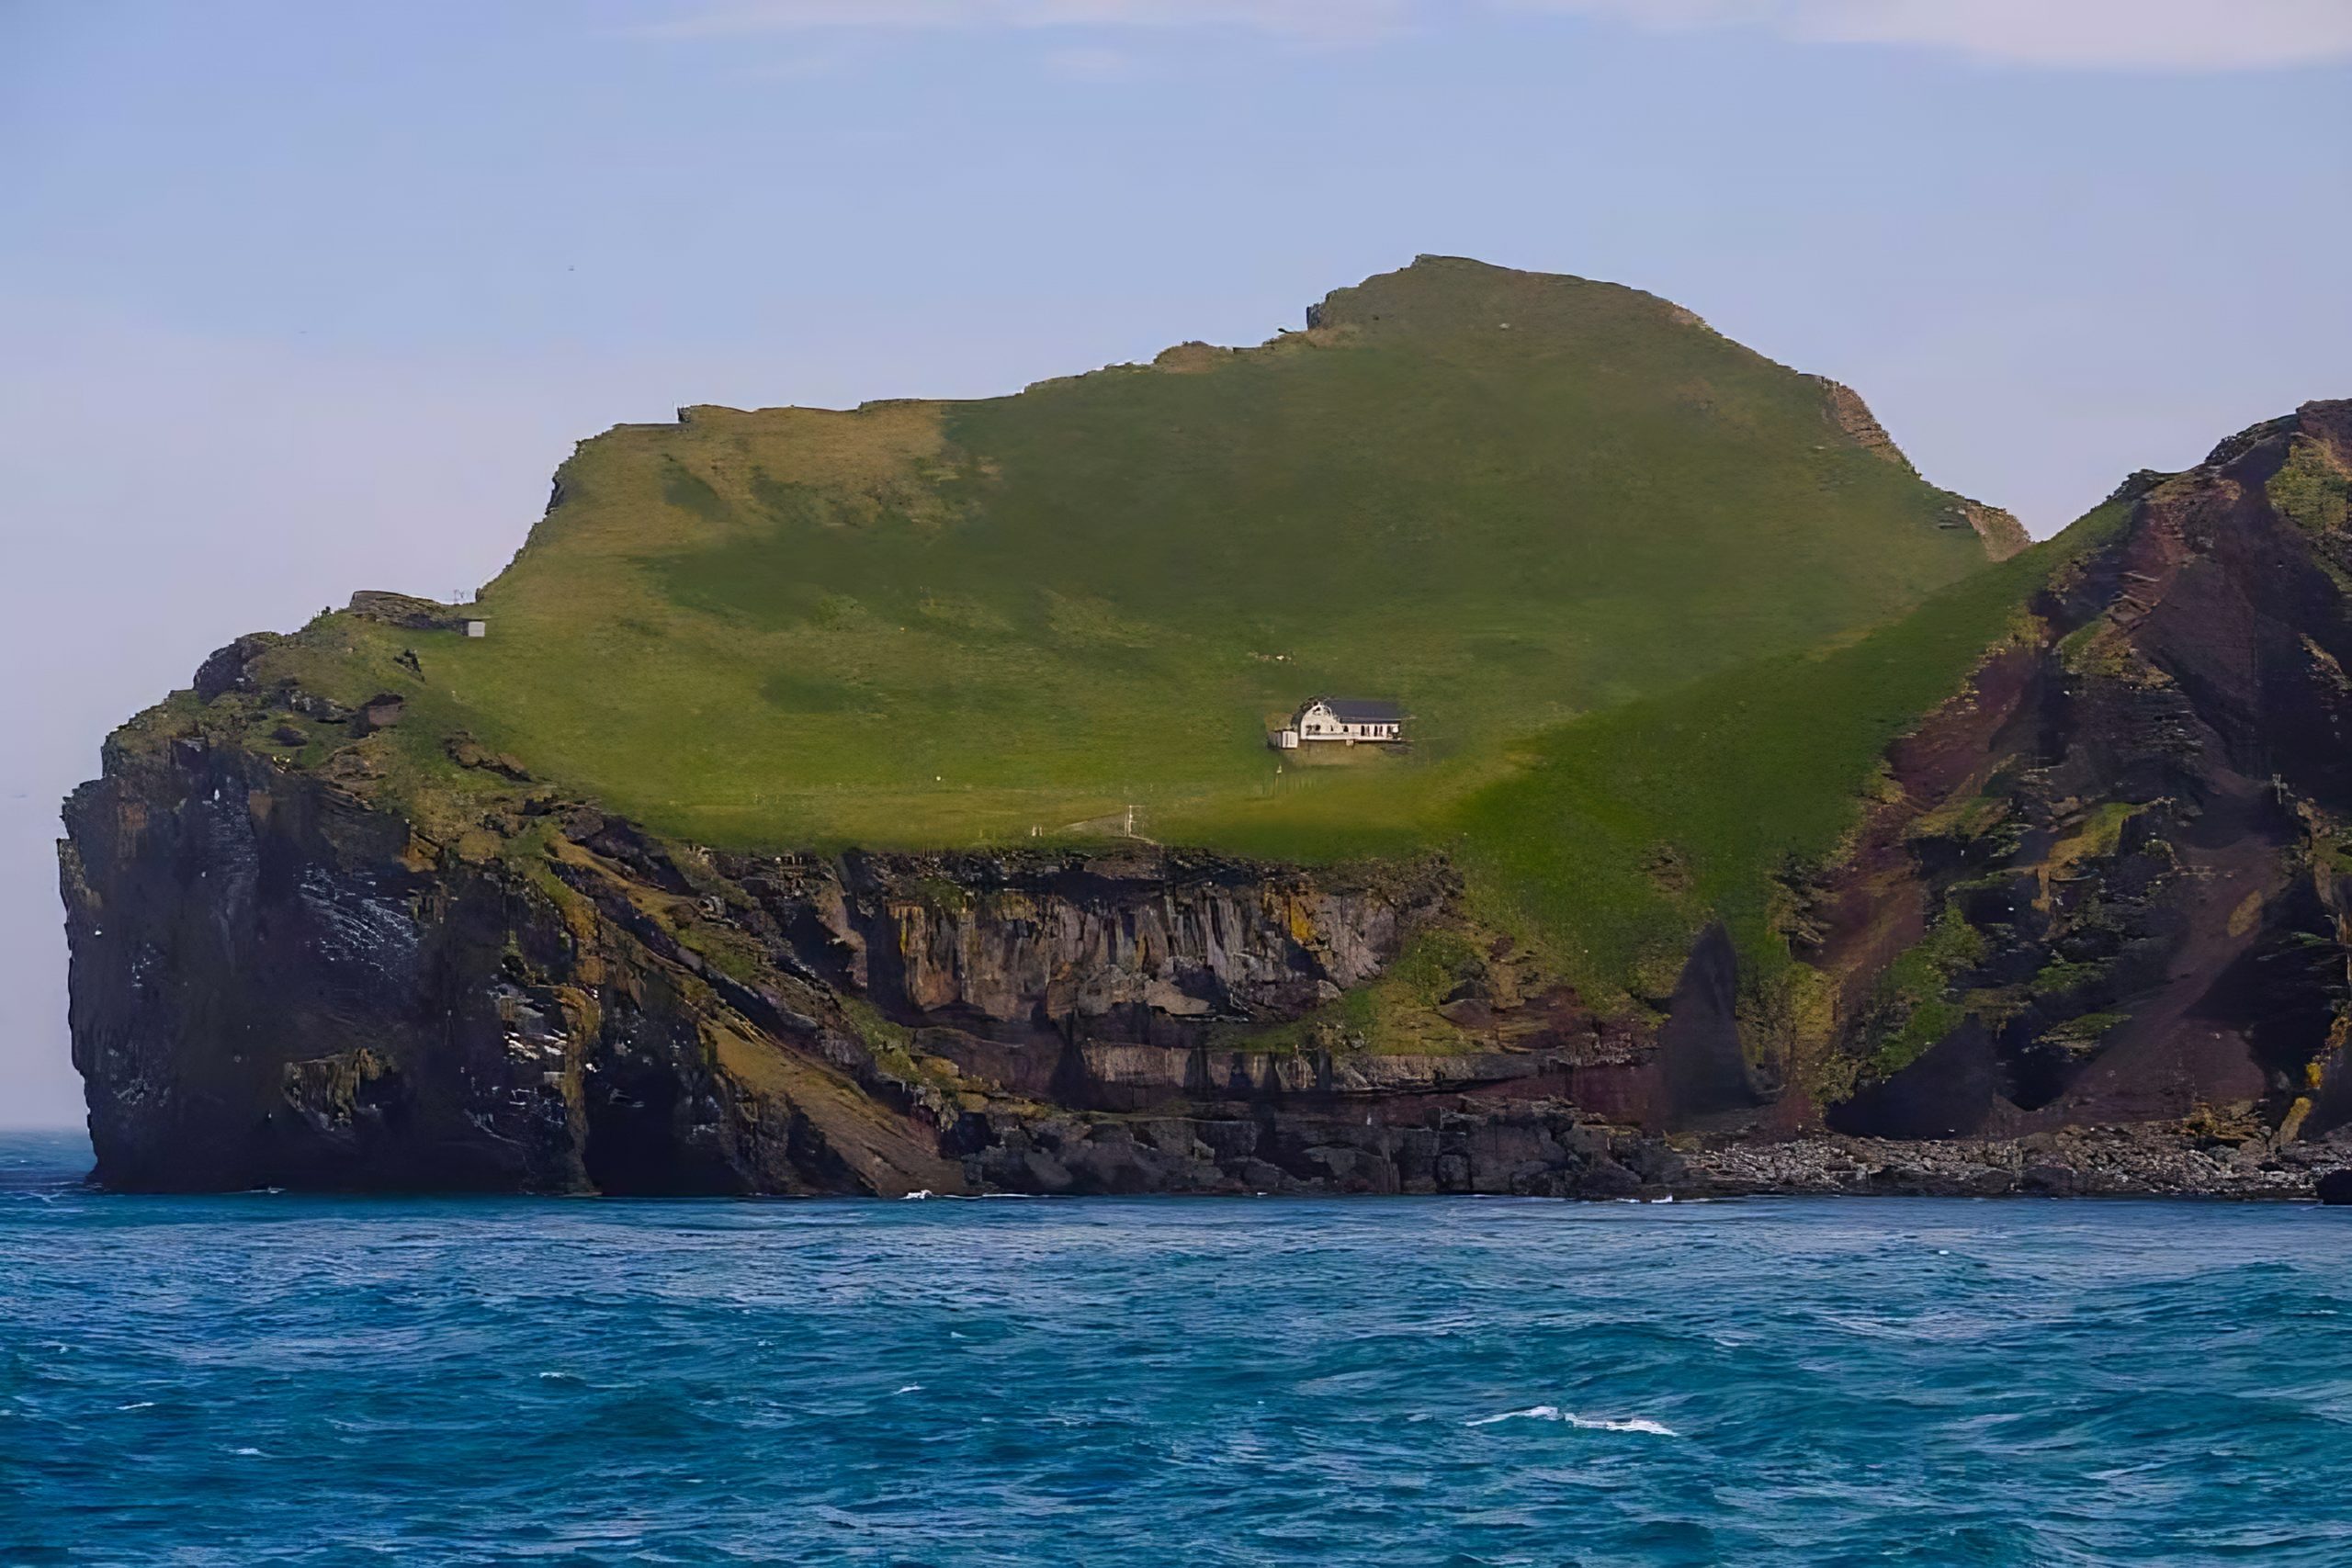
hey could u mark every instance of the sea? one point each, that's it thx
(271, 1378)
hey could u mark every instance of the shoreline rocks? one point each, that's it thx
(2076, 1162)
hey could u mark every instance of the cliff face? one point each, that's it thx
(2104, 889)
(2109, 889)
(275, 982)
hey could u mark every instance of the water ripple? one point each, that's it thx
(289, 1380)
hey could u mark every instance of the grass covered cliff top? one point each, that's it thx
(1515, 503)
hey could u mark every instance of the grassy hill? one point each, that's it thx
(1595, 547)
(1504, 498)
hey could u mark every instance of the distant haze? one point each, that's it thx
(299, 299)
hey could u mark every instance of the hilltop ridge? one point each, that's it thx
(1504, 498)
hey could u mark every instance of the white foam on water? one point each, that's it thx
(910, 1388)
(1583, 1423)
(141, 1405)
(249, 1453)
(919, 1192)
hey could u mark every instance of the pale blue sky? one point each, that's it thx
(299, 299)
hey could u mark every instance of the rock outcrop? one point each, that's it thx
(406, 611)
(2001, 532)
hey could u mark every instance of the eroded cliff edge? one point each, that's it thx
(2089, 936)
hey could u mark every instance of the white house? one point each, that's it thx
(1345, 719)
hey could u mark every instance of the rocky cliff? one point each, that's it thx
(2090, 935)
(2109, 888)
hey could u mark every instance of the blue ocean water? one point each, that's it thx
(273, 1379)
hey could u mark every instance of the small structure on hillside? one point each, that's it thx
(1345, 720)
(412, 613)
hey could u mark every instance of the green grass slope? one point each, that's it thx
(1507, 499)
(1618, 835)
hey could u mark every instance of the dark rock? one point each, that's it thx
(310, 704)
(1950, 1090)
(225, 668)
(1700, 1057)
(379, 711)
(1607, 1179)
(467, 752)
(406, 611)
(2333, 1188)
(2049, 1181)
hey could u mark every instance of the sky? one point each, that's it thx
(296, 299)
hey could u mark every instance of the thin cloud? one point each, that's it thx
(1310, 20)
(2161, 35)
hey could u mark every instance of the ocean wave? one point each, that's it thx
(1172, 1372)
(1641, 1423)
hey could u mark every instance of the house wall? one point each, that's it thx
(1317, 723)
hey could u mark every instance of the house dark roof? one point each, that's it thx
(1359, 710)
